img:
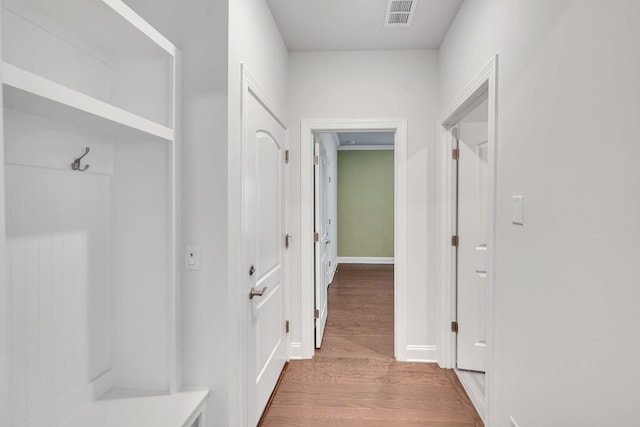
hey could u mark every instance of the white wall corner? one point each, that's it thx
(335, 140)
(295, 351)
(422, 353)
(333, 272)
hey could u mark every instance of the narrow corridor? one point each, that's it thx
(353, 380)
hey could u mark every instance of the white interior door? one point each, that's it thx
(263, 224)
(473, 226)
(321, 170)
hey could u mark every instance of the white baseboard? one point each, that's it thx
(365, 260)
(295, 351)
(333, 272)
(474, 390)
(422, 353)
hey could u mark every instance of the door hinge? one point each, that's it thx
(455, 154)
(286, 326)
(454, 327)
(316, 314)
(455, 241)
(287, 241)
(286, 156)
(316, 160)
(316, 237)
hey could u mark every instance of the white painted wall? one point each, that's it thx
(375, 84)
(331, 143)
(204, 218)
(255, 42)
(140, 261)
(58, 262)
(200, 32)
(4, 292)
(566, 282)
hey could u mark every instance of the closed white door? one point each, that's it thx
(263, 163)
(473, 226)
(322, 242)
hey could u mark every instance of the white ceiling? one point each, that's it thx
(313, 25)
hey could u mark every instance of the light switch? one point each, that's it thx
(192, 258)
(517, 210)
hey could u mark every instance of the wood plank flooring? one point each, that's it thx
(353, 380)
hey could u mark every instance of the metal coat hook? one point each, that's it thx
(76, 163)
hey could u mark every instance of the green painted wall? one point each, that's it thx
(365, 203)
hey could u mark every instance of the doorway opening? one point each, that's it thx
(353, 210)
(467, 195)
(310, 129)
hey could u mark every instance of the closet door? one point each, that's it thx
(473, 226)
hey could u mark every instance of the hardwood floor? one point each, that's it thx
(353, 380)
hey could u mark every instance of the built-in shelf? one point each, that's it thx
(110, 25)
(78, 74)
(127, 408)
(32, 94)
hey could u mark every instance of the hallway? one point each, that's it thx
(353, 380)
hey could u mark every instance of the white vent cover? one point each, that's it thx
(400, 13)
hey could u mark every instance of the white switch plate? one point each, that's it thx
(517, 210)
(192, 258)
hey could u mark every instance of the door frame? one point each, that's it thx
(320, 245)
(484, 83)
(238, 296)
(307, 128)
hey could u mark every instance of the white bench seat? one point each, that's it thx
(128, 408)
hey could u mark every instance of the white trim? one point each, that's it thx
(365, 260)
(474, 391)
(484, 84)
(254, 87)
(143, 26)
(175, 315)
(334, 268)
(307, 127)
(366, 148)
(422, 353)
(4, 288)
(295, 351)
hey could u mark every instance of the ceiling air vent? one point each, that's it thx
(400, 13)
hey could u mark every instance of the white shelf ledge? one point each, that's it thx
(110, 24)
(32, 94)
(128, 408)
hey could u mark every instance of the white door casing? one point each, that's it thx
(305, 348)
(484, 84)
(263, 244)
(473, 226)
(321, 245)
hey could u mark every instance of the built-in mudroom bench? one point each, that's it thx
(91, 150)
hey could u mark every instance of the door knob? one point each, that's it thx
(257, 292)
